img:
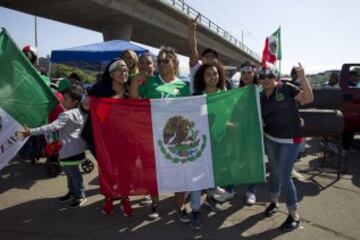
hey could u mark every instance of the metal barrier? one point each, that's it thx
(206, 22)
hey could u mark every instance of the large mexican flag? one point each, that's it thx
(25, 99)
(181, 144)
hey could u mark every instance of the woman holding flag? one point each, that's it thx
(112, 85)
(279, 108)
(165, 85)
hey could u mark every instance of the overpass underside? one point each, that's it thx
(151, 22)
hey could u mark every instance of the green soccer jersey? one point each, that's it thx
(155, 87)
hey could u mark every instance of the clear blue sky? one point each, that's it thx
(321, 34)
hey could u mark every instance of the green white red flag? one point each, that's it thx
(25, 99)
(272, 49)
(180, 144)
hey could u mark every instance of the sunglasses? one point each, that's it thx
(264, 76)
(164, 61)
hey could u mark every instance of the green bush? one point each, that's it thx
(60, 70)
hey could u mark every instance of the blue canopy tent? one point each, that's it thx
(94, 56)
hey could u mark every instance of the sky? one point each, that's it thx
(321, 34)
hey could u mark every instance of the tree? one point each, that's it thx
(60, 70)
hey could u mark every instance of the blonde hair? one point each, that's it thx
(134, 69)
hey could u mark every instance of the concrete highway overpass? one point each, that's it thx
(151, 22)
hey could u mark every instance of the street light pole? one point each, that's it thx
(36, 42)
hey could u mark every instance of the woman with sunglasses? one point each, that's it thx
(112, 85)
(164, 85)
(279, 109)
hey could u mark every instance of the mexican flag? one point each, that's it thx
(25, 99)
(272, 49)
(179, 144)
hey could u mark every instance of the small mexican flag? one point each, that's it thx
(25, 99)
(272, 49)
(180, 144)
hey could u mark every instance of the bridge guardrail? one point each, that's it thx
(191, 12)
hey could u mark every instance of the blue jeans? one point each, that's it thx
(195, 200)
(281, 158)
(74, 181)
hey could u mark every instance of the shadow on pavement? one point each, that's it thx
(21, 174)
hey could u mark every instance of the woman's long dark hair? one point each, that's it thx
(199, 83)
(106, 74)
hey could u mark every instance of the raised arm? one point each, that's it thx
(306, 95)
(194, 54)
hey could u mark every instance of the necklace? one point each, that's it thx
(119, 94)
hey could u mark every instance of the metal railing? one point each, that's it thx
(206, 22)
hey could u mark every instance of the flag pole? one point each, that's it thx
(279, 68)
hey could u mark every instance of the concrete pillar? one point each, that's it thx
(120, 31)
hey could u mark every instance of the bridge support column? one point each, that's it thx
(119, 31)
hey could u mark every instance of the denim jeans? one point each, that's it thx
(281, 158)
(74, 181)
(195, 200)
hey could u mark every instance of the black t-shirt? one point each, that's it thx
(280, 112)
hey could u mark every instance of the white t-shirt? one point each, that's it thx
(193, 70)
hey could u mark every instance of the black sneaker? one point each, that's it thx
(154, 212)
(67, 197)
(290, 224)
(183, 216)
(271, 210)
(212, 204)
(79, 202)
(196, 221)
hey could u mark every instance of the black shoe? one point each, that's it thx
(290, 224)
(196, 221)
(78, 202)
(271, 210)
(154, 212)
(67, 197)
(213, 204)
(183, 216)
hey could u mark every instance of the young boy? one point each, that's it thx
(68, 124)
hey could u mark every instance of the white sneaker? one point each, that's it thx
(219, 190)
(224, 197)
(216, 190)
(297, 175)
(250, 198)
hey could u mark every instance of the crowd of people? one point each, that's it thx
(145, 77)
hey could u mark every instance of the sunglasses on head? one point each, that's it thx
(164, 61)
(263, 76)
